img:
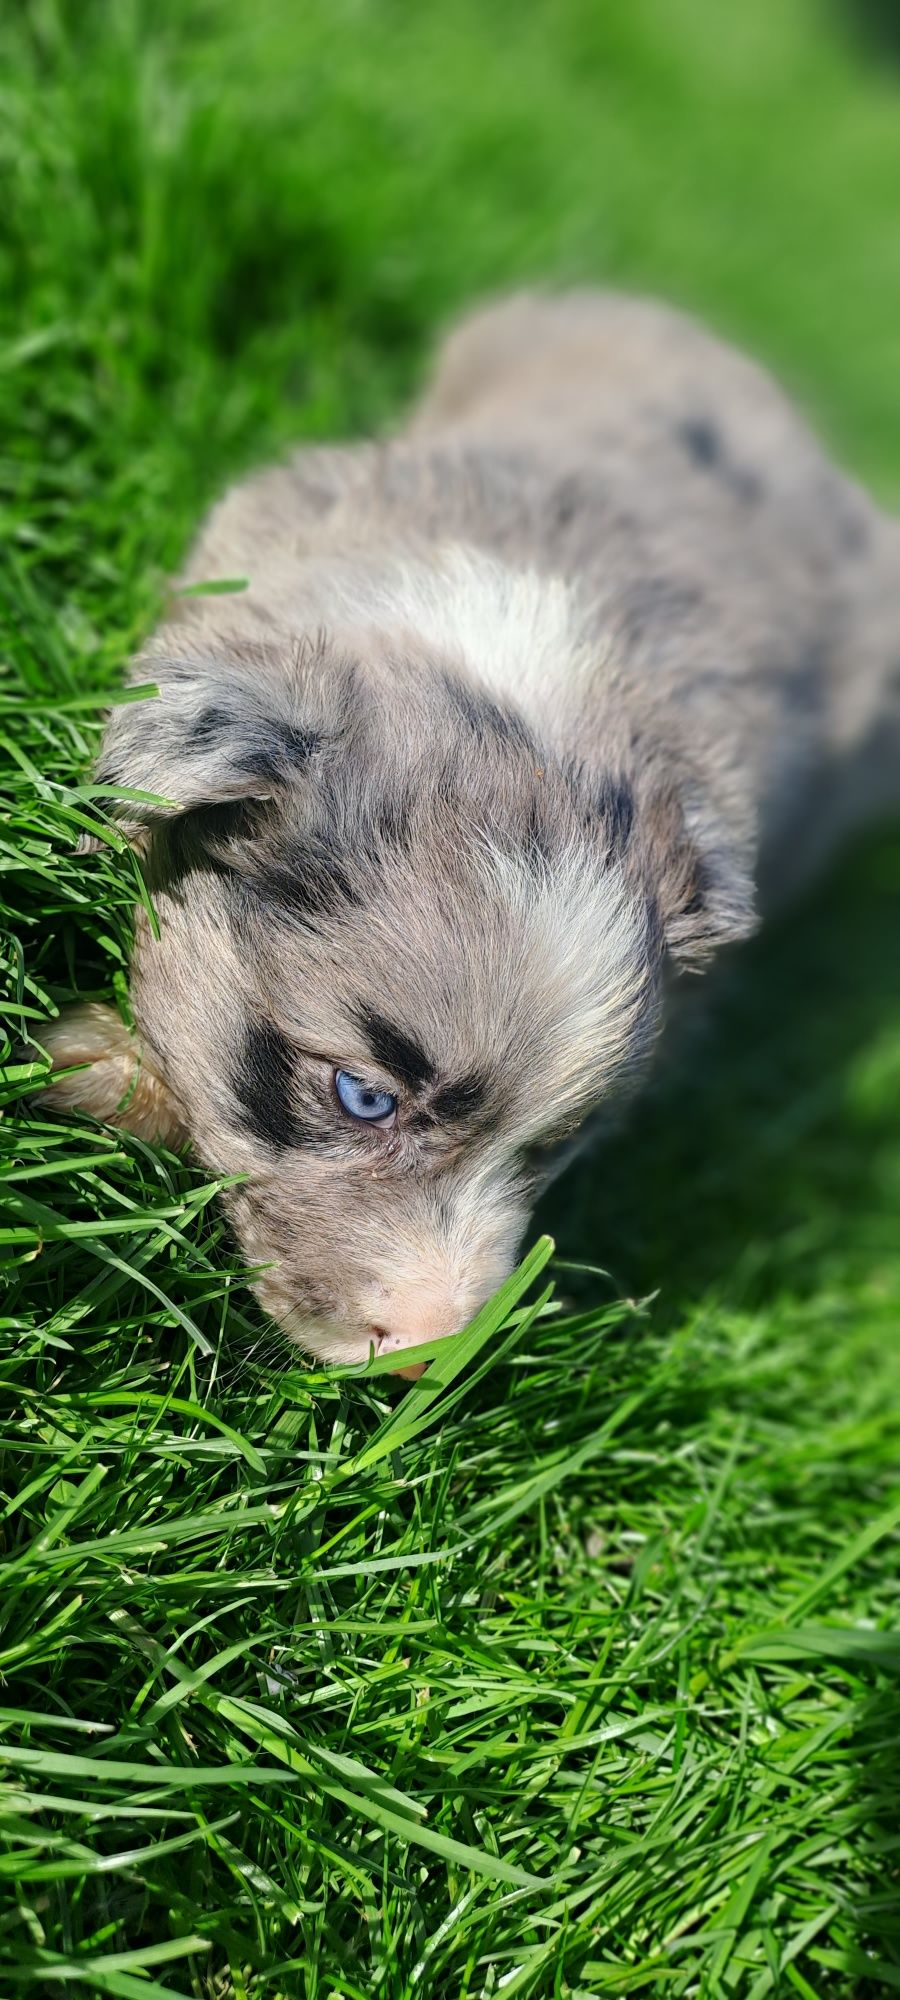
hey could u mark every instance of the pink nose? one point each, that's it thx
(394, 1343)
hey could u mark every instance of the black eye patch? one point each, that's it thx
(261, 1081)
(462, 1099)
(394, 1050)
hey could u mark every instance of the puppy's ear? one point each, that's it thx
(702, 882)
(110, 1076)
(217, 731)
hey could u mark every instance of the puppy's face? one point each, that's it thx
(403, 950)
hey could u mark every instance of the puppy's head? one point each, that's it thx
(404, 948)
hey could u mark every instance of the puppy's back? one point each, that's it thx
(742, 584)
(587, 362)
(722, 487)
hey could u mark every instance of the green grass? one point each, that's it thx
(580, 1677)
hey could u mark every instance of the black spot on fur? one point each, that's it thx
(396, 1051)
(615, 805)
(261, 1082)
(461, 1099)
(275, 751)
(309, 882)
(267, 749)
(486, 717)
(705, 445)
(298, 744)
(208, 728)
(701, 441)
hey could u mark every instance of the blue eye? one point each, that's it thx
(363, 1100)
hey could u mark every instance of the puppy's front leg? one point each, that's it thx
(118, 1085)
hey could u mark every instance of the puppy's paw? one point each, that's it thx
(118, 1084)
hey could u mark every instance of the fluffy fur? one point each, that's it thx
(523, 711)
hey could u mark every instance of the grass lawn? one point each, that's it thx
(583, 1678)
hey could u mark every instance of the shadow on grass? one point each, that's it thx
(758, 1162)
(763, 1167)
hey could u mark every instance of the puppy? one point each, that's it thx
(522, 713)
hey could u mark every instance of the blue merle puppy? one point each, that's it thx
(525, 711)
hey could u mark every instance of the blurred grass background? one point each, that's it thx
(624, 1620)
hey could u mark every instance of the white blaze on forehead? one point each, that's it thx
(515, 629)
